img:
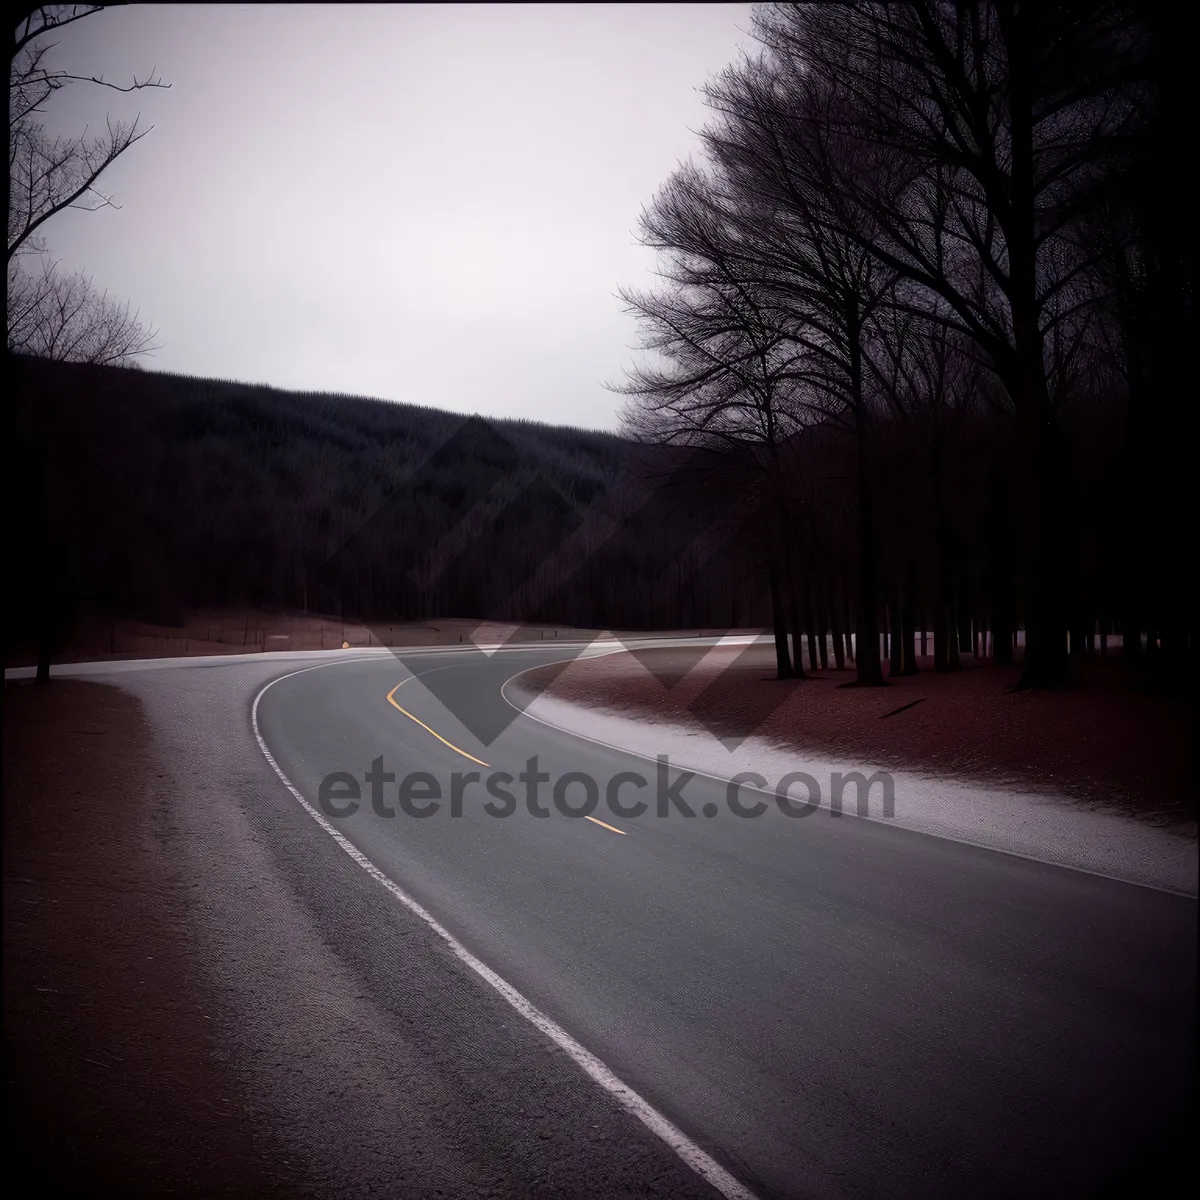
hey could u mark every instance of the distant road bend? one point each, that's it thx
(797, 1007)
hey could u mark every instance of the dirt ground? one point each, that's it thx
(1105, 737)
(114, 1086)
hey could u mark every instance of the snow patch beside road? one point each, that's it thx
(1046, 827)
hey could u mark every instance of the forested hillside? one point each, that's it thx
(169, 492)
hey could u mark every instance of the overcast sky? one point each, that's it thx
(429, 203)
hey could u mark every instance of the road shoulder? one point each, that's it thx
(707, 717)
(114, 1075)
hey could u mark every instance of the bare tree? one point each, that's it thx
(47, 175)
(65, 317)
(777, 144)
(997, 123)
(722, 387)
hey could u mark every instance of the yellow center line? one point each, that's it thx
(597, 821)
(391, 697)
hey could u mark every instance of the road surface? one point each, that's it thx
(824, 1007)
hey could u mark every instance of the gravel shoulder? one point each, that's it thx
(115, 1078)
(231, 1005)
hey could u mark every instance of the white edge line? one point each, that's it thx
(702, 1163)
(746, 787)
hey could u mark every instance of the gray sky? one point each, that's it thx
(429, 203)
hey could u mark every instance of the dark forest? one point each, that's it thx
(921, 357)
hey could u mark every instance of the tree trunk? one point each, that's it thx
(839, 648)
(1079, 638)
(868, 661)
(1150, 650)
(822, 638)
(810, 626)
(850, 654)
(908, 636)
(794, 613)
(1001, 603)
(791, 552)
(911, 666)
(783, 661)
(44, 567)
(895, 641)
(945, 638)
(1045, 652)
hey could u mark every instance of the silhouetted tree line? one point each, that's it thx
(144, 495)
(929, 296)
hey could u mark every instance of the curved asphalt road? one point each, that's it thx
(828, 1007)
